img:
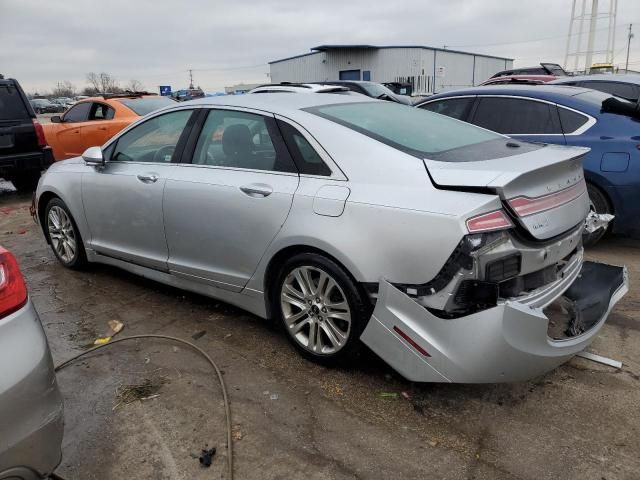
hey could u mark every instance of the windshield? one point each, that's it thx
(11, 105)
(412, 130)
(376, 90)
(143, 106)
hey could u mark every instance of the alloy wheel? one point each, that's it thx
(62, 234)
(315, 310)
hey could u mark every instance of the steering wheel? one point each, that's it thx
(161, 154)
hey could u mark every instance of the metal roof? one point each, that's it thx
(329, 47)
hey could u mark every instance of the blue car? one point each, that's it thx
(565, 115)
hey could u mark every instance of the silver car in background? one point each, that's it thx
(444, 247)
(31, 411)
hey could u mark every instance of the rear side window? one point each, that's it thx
(78, 113)
(570, 120)
(304, 155)
(513, 116)
(411, 130)
(11, 104)
(451, 107)
(238, 139)
(100, 111)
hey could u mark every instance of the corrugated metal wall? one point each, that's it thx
(415, 65)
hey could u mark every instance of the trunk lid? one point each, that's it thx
(542, 188)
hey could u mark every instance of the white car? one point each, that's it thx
(301, 88)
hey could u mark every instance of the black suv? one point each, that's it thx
(23, 149)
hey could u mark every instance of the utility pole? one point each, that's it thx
(592, 35)
(190, 79)
(630, 36)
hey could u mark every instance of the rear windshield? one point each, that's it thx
(11, 104)
(142, 106)
(412, 130)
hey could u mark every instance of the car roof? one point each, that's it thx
(277, 102)
(542, 78)
(612, 77)
(538, 91)
(297, 87)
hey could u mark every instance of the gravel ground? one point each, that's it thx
(296, 420)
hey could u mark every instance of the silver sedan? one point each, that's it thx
(443, 247)
(31, 410)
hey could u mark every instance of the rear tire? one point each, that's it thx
(319, 307)
(26, 181)
(63, 235)
(600, 204)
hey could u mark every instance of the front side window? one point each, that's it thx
(411, 130)
(100, 111)
(78, 113)
(451, 107)
(236, 139)
(514, 116)
(625, 90)
(152, 141)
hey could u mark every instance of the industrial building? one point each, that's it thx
(427, 69)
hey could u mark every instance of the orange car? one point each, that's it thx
(93, 121)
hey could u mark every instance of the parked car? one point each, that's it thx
(373, 90)
(66, 102)
(565, 116)
(31, 409)
(93, 121)
(42, 105)
(23, 149)
(543, 69)
(187, 94)
(520, 80)
(299, 88)
(626, 86)
(437, 243)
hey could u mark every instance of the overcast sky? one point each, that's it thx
(156, 41)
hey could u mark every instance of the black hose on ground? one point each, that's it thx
(227, 408)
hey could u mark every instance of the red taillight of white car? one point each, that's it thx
(524, 206)
(489, 222)
(13, 290)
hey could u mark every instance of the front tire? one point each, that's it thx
(64, 236)
(600, 204)
(319, 307)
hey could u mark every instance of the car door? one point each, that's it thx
(66, 137)
(224, 207)
(522, 118)
(123, 199)
(97, 129)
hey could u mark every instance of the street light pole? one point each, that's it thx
(626, 68)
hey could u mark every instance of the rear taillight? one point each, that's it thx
(488, 222)
(13, 291)
(524, 206)
(42, 142)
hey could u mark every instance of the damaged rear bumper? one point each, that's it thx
(506, 343)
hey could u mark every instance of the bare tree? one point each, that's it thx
(134, 86)
(102, 83)
(64, 89)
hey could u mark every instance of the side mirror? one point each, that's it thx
(93, 156)
(56, 119)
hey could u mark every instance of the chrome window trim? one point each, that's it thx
(237, 169)
(582, 129)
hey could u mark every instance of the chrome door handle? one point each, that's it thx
(257, 190)
(151, 178)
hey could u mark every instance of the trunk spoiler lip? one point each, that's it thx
(444, 173)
